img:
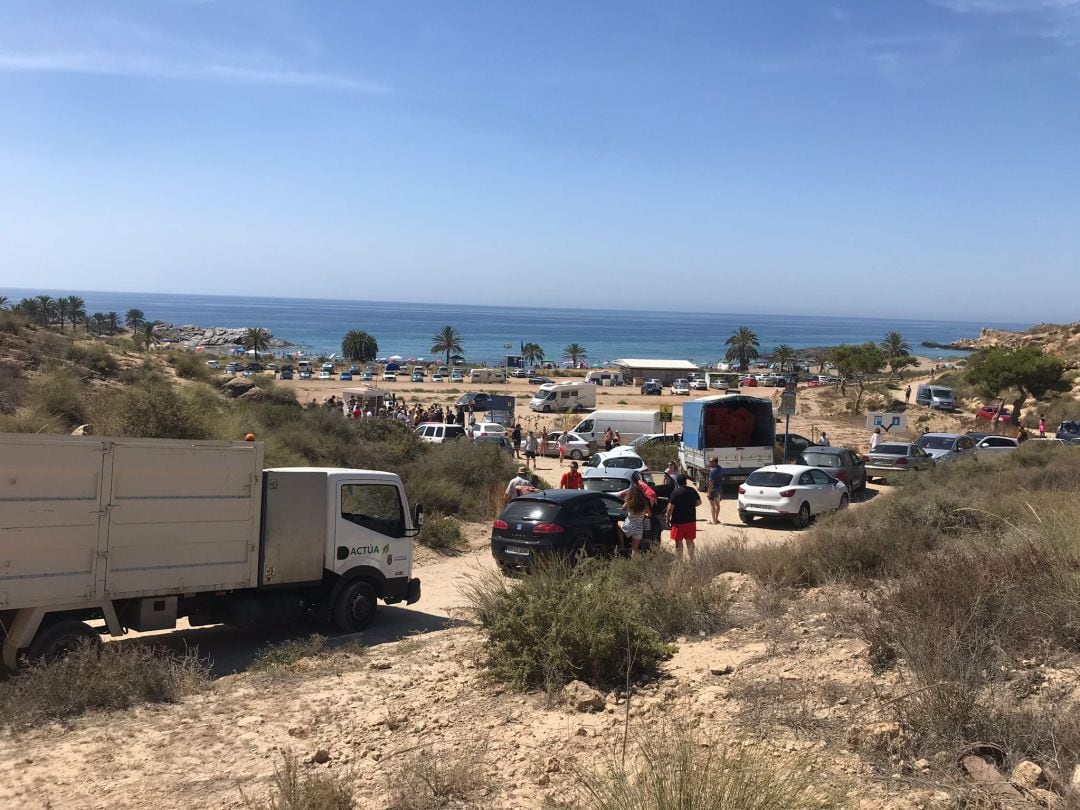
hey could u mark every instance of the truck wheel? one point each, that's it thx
(576, 455)
(547, 409)
(355, 607)
(54, 641)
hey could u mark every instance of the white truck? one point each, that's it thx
(738, 431)
(142, 532)
(566, 397)
(629, 424)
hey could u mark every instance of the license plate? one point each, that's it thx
(762, 506)
(521, 552)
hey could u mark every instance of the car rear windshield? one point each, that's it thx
(821, 459)
(768, 479)
(891, 450)
(935, 442)
(606, 484)
(530, 510)
(945, 393)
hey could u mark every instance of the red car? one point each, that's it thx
(748, 382)
(988, 412)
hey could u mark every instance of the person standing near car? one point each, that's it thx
(715, 488)
(515, 437)
(825, 442)
(563, 443)
(637, 510)
(682, 516)
(531, 443)
(1042, 427)
(572, 479)
(543, 442)
(875, 437)
(907, 395)
(609, 437)
(518, 484)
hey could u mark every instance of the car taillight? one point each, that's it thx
(786, 493)
(841, 475)
(548, 528)
(901, 462)
(500, 524)
(742, 490)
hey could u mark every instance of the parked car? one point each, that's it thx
(367, 376)
(487, 429)
(650, 440)
(345, 376)
(483, 401)
(987, 413)
(613, 479)
(213, 364)
(748, 382)
(840, 462)
(389, 376)
(418, 378)
(438, 432)
(444, 370)
(577, 448)
(572, 523)
(232, 368)
(896, 458)
(436, 378)
(993, 446)
(326, 375)
(790, 491)
(699, 384)
(540, 380)
(944, 447)
(305, 375)
(327, 367)
(620, 457)
(1068, 431)
(680, 388)
(354, 369)
(501, 440)
(936, 396)
(256, 367)
(285, 374)
(519, 373)
(796, 445)
(456, 376)
(652, 388)
(976, 435)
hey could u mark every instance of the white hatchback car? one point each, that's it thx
(619, 458)
(389, 376)
(790, 491)
(993, 446)
(488, 429)
(680, 388)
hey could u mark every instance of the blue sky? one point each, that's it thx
(882, 157)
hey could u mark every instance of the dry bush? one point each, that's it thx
(190, 366)
(676, 770)
(152, 409)
(93, 357)
(442, 533)
(57, 393)
(116, 676)
(314, 790)
(429, 779)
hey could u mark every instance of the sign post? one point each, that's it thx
(665, 415)
(787, 410)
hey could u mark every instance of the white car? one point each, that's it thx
(326, 375)
(993, 446)
(699, 384)
(389, 376)
(680, 387)
(488, 429)
(619, 458)
(214, 364)
(790, 491)
(576, 448)
(436, 378)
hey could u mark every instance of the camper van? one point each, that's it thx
(486, 375)
(629, 424)
(604, 377)
(564, 397)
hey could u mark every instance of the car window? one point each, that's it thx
(820, 477)
(820, 460)
(806, 479)
(891, 450)
(768, 479)
(593, 507)
(373, 506)
(918, 452)
(606, 484)
(529, 510)
(623, 462)
(586, 426)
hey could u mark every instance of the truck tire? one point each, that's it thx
(54, 641)
(547, 409)
(355, 607)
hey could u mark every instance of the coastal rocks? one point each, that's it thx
(190, 336)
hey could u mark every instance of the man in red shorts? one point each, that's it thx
(682, 515)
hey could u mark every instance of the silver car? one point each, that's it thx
(896, 458)
(947, 446)
(577, 448)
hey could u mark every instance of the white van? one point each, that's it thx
(604, 377)
(486, 375)
(629, 424)
(564, 397)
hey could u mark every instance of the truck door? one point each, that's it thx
(370, 529)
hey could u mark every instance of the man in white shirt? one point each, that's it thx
(874, 438)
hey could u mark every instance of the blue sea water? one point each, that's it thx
(317, 326)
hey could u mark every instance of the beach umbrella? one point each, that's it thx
(397, 358)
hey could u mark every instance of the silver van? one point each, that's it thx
(936, 396)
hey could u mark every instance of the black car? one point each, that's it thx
(796, 445)
(839, 462)
(1068, 431)
(652, 389)
(540, 380)
(573, 523)
(483, 401)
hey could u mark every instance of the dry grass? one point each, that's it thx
(295, 789)
(430, 779)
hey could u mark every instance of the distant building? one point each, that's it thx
(667, 371)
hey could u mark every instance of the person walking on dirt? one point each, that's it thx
(907, 395)
(715, 488)
(563, 443)
(515, 437)
(543, 442)
(1042, 427)
(572, 479)
(682, 516)
(875, 437)
(531, 443)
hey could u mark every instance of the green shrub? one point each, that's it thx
(154, 409)
(189, 366)
(676, 770)
(115, 676)
(440, 532)
(59, 394)
(93, 357)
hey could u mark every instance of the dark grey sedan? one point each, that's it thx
(842, 464)
(896, 458)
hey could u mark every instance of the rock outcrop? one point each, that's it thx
(189, 336)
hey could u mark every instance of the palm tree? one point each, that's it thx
(359, 346)
(3, 301)
(256, 339)
(61, 305)
(894, 345)
(147, 336)
(574, 353)
(99, 321)
(532, 353)
(113, 320)
(134, 319)
(742, 346)
(28, 308)
(76, 310)
(446, 341)
(784, 354)
(46, 309)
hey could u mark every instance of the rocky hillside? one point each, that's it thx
(1062, 340)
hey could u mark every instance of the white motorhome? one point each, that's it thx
(487, 375)
(564, 397)
(604, 377)
(629, 424)
(142, 532)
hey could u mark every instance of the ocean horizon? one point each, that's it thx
(317, 326)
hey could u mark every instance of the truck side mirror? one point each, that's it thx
(418, 520)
